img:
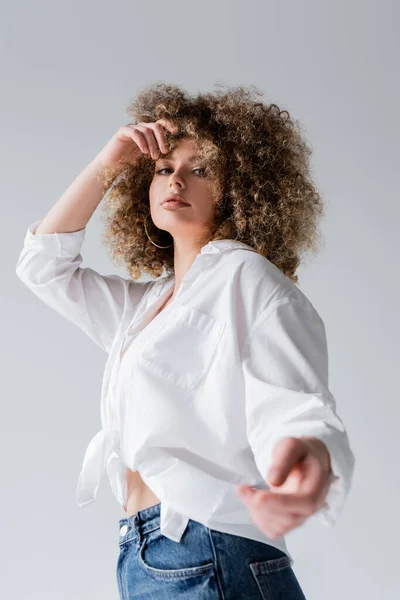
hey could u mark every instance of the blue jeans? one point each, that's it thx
(205, 565)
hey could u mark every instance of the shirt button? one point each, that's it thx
(123, 530)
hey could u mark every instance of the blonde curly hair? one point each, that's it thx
(257, 166)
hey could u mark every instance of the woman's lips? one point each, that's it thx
(170, 204)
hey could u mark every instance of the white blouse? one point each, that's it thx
(197, 398)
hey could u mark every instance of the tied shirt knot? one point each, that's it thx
(102, 452)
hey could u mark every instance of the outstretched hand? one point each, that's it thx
(299, 480)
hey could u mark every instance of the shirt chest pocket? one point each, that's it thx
(182, 349)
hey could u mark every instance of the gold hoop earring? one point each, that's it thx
(145, 228)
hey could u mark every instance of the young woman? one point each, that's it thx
(219, 433)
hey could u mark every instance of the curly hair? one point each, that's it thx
(257, 165)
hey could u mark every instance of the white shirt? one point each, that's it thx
(197, 400)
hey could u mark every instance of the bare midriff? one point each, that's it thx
(139, 495)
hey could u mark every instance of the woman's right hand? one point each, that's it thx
(131, 141)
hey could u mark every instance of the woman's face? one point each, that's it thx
(181, 173)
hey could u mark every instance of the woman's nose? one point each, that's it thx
(175, 179)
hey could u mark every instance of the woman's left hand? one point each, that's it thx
(299, 480)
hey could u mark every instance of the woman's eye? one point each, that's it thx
(168, 169)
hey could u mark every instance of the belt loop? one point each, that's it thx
(138, 531)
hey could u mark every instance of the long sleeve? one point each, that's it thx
(285, 365)
(50, 266)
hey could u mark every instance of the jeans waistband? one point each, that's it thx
(138, 524)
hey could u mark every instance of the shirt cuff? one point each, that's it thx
(65, 244)
(342, 467)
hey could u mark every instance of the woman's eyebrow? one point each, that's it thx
(192, 158)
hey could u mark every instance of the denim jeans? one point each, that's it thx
(205, 565)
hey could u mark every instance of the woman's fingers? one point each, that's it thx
(272, 520)
(159, 134)
(280, 526)
(132, 132)
(155, 135)
(150, 137)
(146, 130)
(168, 125)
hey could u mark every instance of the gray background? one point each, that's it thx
(68, 71)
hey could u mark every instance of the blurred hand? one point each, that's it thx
(299, 480)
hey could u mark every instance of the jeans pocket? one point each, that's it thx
(163, 558)
(276, 579)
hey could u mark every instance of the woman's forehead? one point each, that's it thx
(185, 145)
(190, 152)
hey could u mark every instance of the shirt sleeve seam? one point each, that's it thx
(267, 312)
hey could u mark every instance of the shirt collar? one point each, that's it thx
(217, 246)
(213, 247)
